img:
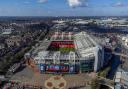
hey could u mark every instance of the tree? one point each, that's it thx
(104, 72)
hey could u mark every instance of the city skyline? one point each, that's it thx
(64, 8)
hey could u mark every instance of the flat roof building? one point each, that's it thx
(121, 79)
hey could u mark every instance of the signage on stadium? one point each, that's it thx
(59, 68)
(54, 68)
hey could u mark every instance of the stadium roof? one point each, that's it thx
(84, 44)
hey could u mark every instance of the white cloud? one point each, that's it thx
(77, 3)
(49, 12)
(42, 1)
(26, 2)
(119, 4)
(72, 3)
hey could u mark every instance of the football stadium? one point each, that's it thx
(66, 52)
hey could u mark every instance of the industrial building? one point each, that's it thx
(67, 53)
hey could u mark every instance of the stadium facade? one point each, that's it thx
(67, 53)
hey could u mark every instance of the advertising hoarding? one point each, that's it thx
(42, 67)
(57, 68)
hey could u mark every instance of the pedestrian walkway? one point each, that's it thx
(55, 82)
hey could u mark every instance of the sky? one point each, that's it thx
(63, 7)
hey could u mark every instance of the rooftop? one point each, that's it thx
(122, 77)
(62, 36)
(83, 40)
(54, 55)
(6, 33)
(85, 44)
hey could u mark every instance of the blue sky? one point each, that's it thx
(63, 7)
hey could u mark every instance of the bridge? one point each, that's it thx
(120, 54)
